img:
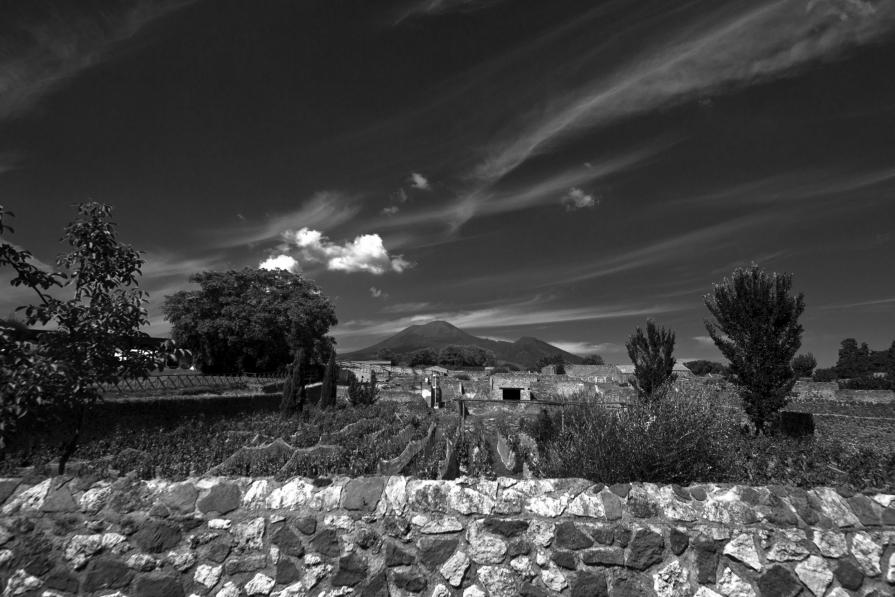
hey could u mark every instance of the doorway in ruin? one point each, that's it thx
(512, 393)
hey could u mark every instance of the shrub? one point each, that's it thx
(651, 355)
(866, 383)
(796, 424)
(666, 441)
(363, 394)
(803, 364)
(757, 329)
(825, 374)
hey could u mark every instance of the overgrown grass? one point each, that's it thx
(672, 441)
(688, 438)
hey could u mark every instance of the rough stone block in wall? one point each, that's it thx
(224, 537)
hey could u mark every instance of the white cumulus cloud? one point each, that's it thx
(286, 262)
(366, 253)
(418, 181)
(578, 199)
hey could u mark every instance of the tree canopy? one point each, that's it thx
(92, 334)
(251, 320)
(455, 355)
(651, 354)
(757, 329)
(705, 367)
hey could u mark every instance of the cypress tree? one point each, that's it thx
(328, 388)
(294, 388)
(757, 328)
(651, 354)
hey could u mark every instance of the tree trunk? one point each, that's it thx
(69, 447)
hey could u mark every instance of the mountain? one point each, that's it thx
(524, 352)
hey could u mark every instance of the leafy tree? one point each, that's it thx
(803, 364)
(387, 354)
(464, 356)
(422, 358)
(363, 394)
(294, 394)
(556, 360)
(95, 335)
(651, 354)
(825, 374)
(251, 320)
(757, 329)
(593, 359)
(704, 367)
(854, 360)
(329, 387)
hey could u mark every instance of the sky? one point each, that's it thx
(562, 169)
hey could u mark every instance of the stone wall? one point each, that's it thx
(227, 537)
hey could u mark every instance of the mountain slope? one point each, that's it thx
(525, 352)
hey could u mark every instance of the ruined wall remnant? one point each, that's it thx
(227, 537)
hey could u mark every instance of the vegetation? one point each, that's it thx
(666, 441)
(464, 356)
(363, 393)
(825, 374)
(330, 378)
(861, 361)
(703, 367)
(593, 359)
(867, 383)
(757, 329)
(423, 357)
(364, 436)
(556, 360)
(294, 393)
(651, 354)
(803, 364)
(251, 320)
(95, 335)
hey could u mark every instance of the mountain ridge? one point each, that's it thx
(524, 352)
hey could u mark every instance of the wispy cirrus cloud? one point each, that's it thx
(324, 208)
(482, 200)
(429, 8)
(413, 307)
(527, 313)
(858, 304)
(704, 340)
(725, 48)
(51, 44)
(585, 348)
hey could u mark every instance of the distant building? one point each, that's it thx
(595, 373)
(679, 369)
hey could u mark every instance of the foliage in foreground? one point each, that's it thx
(363, 436)
(95, 337)
(757, 329)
